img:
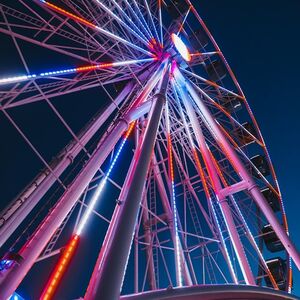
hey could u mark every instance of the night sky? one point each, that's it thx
(260, 40)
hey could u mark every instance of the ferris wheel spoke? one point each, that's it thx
(61, 72)
(50, 93)
(224, 111)
(141, 17)
(135, 16)
(165, 201)
(205, 185)
(160, 22)
(41, 32)
(207, 193)
(123, 13)
(173, 198)
(151, 19)
(187, 267)
(121, 22)
(95, 27)
(78, 84)
(211, 83)
(183, 21)
(45, 45)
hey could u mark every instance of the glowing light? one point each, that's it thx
(15, 296)
(60, 268)
(102, 184)
(181, 47)
(21, 78)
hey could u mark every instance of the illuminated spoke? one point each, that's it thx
(151, 19)
(142, 18)
(160, 23)
(53, 74)
(212, 83)
(120, 9)
(183, 22)
(120, 21)
(68, 253)
(205, 185)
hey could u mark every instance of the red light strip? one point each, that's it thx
(70, 15)
(60, 268)
(170, 154)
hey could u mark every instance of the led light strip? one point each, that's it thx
(102, 184)
(60, 268)
(173, 200)
(21, 78)
(65, 259)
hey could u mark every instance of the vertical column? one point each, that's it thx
(108, 283)
(173, 201)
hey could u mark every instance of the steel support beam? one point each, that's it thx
(107, 239)
(149, 245)
(108, 284)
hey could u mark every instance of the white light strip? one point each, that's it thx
(98, 191)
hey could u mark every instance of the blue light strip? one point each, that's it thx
(101, 185)
(87, 68)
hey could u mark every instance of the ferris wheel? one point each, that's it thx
(165, 189)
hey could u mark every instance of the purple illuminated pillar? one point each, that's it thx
(108, 282)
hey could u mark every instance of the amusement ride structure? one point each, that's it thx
(170, 183)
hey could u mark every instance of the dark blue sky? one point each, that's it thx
(260, 40)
